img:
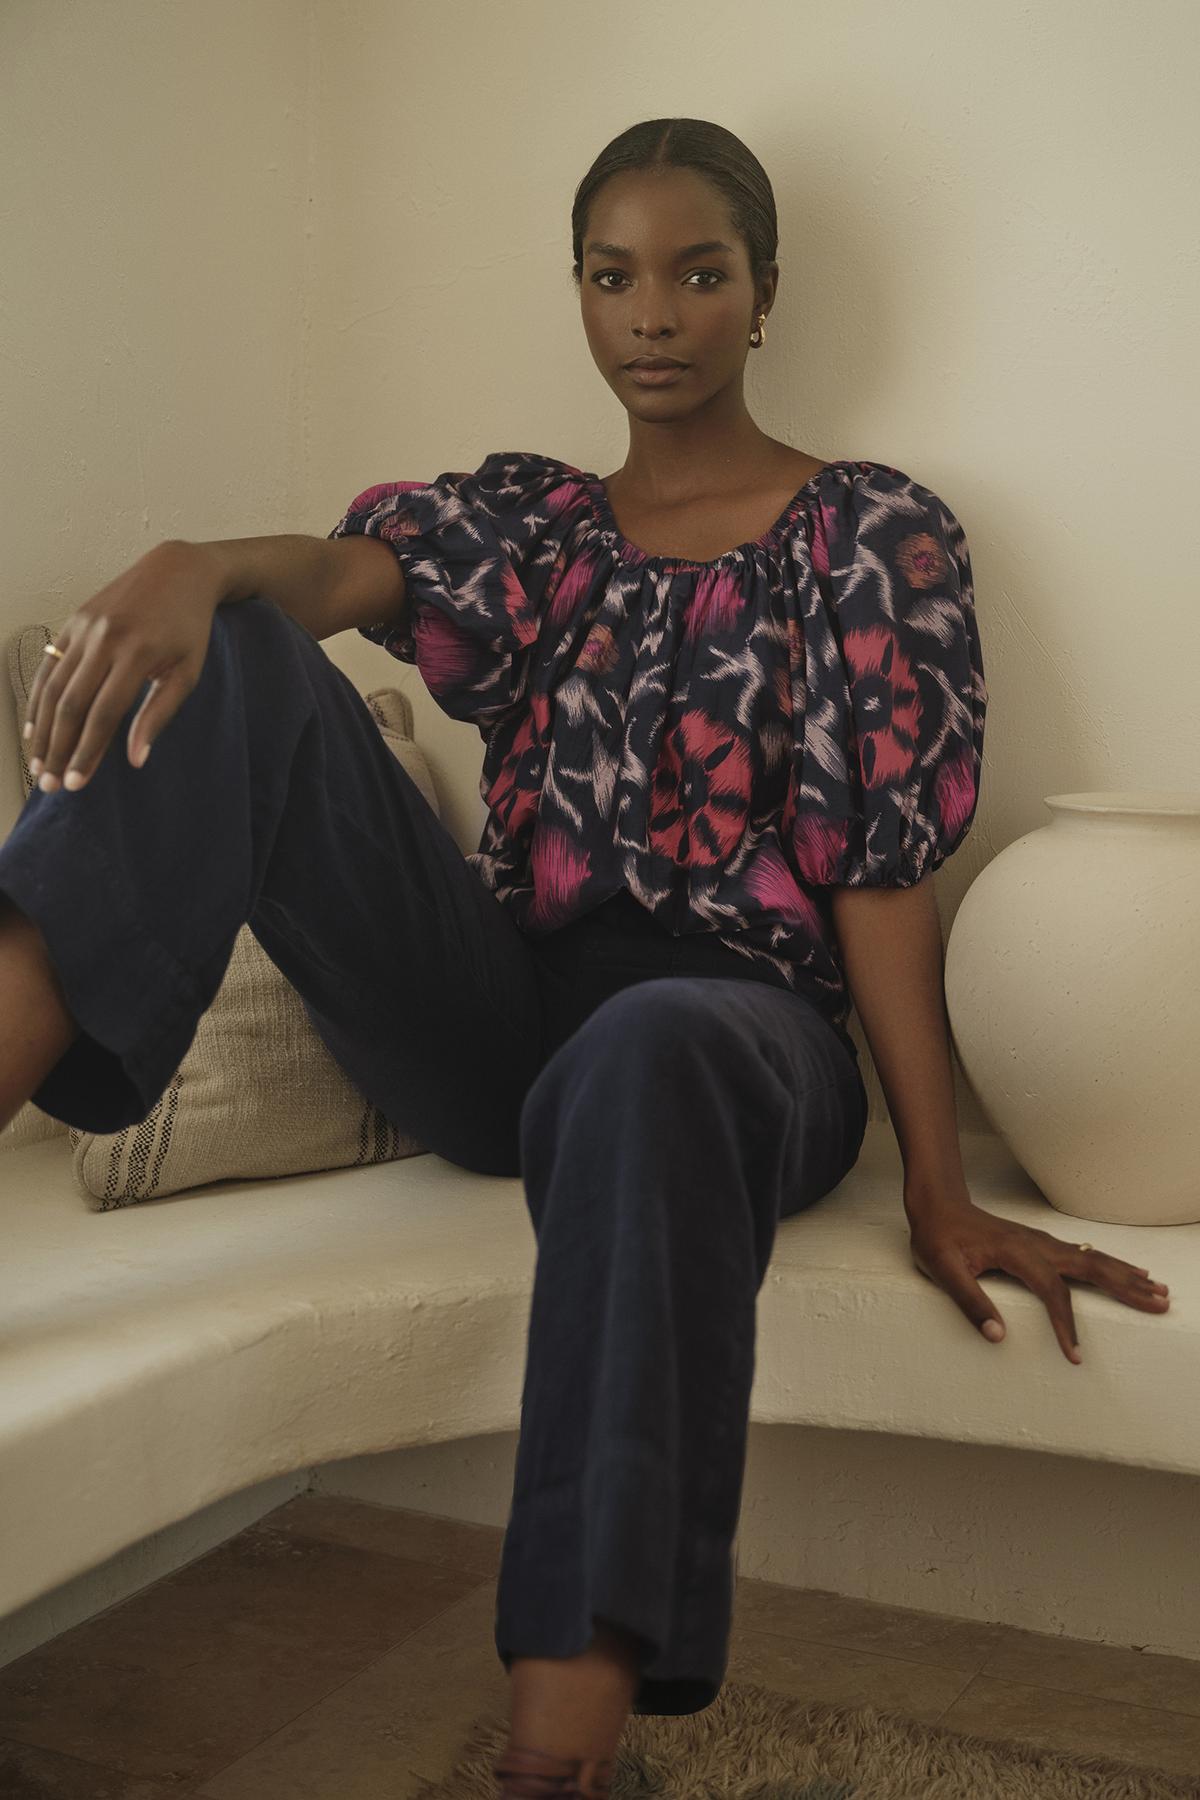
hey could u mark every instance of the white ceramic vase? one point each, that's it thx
(1073, 991)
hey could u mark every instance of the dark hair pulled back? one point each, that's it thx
(711, 151)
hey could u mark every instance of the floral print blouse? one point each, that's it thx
(726, 739)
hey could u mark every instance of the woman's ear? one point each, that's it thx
(765, 290)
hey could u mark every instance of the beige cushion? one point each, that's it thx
(257, 1094)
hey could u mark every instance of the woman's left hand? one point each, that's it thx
(953, 1243)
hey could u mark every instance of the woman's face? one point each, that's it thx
(646, 291)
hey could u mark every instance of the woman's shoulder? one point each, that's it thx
(519, 468)
(879, 495)
(863, 472)
(885, 478)
(513, 483)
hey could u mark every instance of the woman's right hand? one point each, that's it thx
(152, 623)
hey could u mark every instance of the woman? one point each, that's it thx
(733, 702)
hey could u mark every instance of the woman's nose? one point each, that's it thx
(650, 329)
(652, 316)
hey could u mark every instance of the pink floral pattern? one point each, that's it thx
(726, 738)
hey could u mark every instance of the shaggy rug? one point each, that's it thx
(755, 1744)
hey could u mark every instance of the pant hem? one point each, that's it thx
(606, 1545)
(136, 1007)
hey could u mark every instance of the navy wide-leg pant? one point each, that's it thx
(664, 1102)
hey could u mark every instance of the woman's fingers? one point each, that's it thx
(1028, 1264)
(1120, 1279)
(68, 707)
(31, 704)
(113, 700)
(154, 712)
(78, 701)
(954, 1249)
(65, 700)
(150, 624)
(77, 706)
(948, 1267)
(50, 679)
(1057, 1296)
(35, 708)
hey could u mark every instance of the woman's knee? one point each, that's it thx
(253, 641)
(256, 619)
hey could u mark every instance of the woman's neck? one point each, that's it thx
(706, 453)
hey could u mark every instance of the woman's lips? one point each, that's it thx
(658, 377)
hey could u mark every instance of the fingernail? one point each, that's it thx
(993, 1329)
(35, 766)
(27, 733)
(72, 779)
(140, 755)
(48, 782)
(1075, 1353)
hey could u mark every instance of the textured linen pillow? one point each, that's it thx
(257, 1094)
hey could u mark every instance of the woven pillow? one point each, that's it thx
(258, 1094)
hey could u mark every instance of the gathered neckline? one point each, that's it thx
(633, 553)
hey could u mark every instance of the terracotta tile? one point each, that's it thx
(187, 1676)
(28, 1773)
(842, 1677)
(392, 1531)
(385, 1733)
(1076, 1724)
(1105, 1671)
(897, 1631)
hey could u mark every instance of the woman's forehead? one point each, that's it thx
(628, 216)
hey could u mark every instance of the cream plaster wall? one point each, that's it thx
(155, 266)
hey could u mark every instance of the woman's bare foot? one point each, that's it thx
(575, 1706)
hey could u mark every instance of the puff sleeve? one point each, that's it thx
(889, 751)
(476, 550)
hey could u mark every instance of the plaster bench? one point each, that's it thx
(158, 1358)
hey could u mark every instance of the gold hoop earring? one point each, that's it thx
(758, 336)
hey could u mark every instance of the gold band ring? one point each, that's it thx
(52, 650)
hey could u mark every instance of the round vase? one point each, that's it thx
(1072, 980)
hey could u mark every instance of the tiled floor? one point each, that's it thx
(342, 1650)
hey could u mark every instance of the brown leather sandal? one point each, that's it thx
(536, 1775)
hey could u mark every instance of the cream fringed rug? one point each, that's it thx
(754, 1744)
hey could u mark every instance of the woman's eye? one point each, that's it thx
(602, 277)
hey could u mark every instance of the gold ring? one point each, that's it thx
(53, 650)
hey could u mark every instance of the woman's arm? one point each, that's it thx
(326, 586)
(891, 944)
